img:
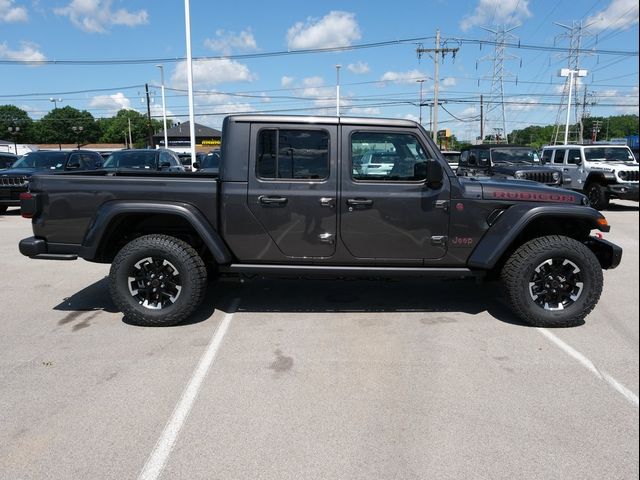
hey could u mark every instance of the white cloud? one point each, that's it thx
(358, 68)
(336, 29)
(497, 12)
(226, 42)
(286, 81)
(111, 103)
(364, 111)
(410, 116)
(211, 72)
(28, 52)
(525, 104)
(10, 13)
(95, 16)
(620, 14)
(448, 82)
(409, 77)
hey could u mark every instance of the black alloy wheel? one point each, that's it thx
(157, 280)
(552, 281)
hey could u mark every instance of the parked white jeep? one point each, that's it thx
(601, 172)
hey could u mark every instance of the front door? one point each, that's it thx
(572, 170)
(293, 187)
(391, 214)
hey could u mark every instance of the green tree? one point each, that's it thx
(12, 117)
(58, 127)
(116, 129)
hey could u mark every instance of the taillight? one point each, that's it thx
(28, 204)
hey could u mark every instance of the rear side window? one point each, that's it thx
(559, 156)
(293, 154)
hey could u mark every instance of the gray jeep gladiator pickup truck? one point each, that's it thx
(291, 198)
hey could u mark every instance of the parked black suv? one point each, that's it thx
(506, 161)
(14, 180)
(7, 159)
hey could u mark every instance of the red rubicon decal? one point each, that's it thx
(535, 196)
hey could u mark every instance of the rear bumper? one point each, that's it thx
(608, 254)
(34, 247)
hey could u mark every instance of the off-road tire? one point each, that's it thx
(520, 269)
(597, 195)
(179, 255)
(3, 209)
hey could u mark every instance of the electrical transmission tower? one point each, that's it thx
(574, 35)
(495, 119)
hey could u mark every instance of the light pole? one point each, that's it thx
(567, 72)
(338, 90)
(192, 123)
(55, 102)
(55, 107)
(164, 107)
(78, 132)
(14, 132)
(421, 81)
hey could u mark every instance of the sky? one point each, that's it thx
(280, 57)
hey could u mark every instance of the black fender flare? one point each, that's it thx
(110, 210)
(514, 220)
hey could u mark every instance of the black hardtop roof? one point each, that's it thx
(324, 120)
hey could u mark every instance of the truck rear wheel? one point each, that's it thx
(552, 281)
(157, 280)
(597, 195)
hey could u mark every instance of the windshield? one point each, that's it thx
(132, 159)
(608, 154)
(41, 160)
(451, 157)
(514, 155)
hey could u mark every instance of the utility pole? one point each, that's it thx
(436, 81)
(481, 119)
(149, 126)
(421, 81)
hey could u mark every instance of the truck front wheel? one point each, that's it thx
(157, 280)
(552, 281)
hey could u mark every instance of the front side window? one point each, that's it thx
(293, 154)
(546, 156)
(574, 157)
(390, 157)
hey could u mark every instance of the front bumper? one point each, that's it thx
(10, 197)
(39, 248)
(608, 254)
(624, 191)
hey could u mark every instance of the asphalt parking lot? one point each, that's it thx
(315, 379)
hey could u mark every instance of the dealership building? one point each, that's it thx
(179, 138)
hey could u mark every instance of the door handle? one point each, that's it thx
(327, 202)
(272, 201)
(359, 202)
(565, 169)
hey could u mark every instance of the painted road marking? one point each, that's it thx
(158, 458)
(588, 364)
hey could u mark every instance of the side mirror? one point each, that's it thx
(165, 165)
(74, 165)
(196, 165)
(435, 174)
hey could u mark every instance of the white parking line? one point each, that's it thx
(588, 364)
(158, 458)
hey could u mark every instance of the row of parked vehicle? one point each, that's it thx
(16, 171)
(602, 172)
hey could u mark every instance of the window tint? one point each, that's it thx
(392, 157)
(559, 156)
(546, 156)
(574, 157)
(464, 156)
(293, 154)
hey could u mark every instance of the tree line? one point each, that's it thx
(70, 125)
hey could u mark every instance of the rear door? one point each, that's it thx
(293, 187)
(393, 217)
